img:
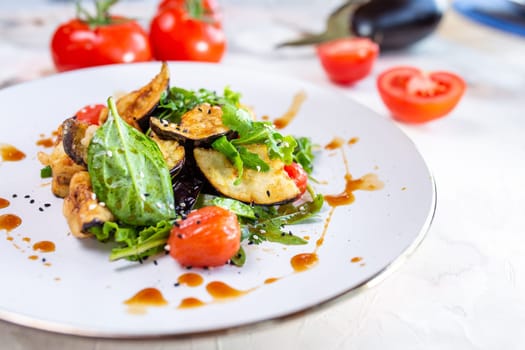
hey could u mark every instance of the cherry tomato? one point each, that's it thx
(207, 237)
(90, 113)
(175, 34)
(298, 175)
(414, 96)
(347, 60)
(99, 40)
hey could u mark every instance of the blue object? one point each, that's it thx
(500, 14)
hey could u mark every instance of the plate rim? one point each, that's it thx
(372, 281)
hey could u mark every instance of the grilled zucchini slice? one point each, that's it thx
(264, 188)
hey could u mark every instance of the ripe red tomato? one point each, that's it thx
(90, 113)
(414, 96)
(298, 175)
(347, 60)
(98, 40)
(207, 237)
(209, 6)
(175, 34)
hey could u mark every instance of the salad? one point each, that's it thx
(193, 173)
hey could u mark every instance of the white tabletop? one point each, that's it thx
(464, 287)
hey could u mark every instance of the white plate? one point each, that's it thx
(80, 292)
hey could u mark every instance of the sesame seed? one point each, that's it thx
(15, 195)
(268, 193)
(47, 205)
(32, 201)
(92, 206)
(41, 209)
(27, 196)
(155, 262)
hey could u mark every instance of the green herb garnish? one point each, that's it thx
(46, 172)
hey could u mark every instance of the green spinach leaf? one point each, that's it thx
(129, 174)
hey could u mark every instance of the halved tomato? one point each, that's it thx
(415, 96)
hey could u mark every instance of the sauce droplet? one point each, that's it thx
(190, 302)
(33, 257)
(4, 203)
(304, 261)
(190, 279)
(287, 117)
(353, 140)
(44, 246)
(147, 297)
(11, 154)
(26, 239)
(368, 182)
(356, 259)
(271, 280)
(47, 142)
(336, 143)
(220, 290)
(9, 222)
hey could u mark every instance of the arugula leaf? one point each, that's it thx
(129, 173)
(303, 154)
(232, 153)
(134, 243)
(239, 208)
(252, 132)
(270, 222)
(252, 160)
(179, 101)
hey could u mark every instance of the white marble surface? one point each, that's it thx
(464, 288)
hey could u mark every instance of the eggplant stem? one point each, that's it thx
(337, 26)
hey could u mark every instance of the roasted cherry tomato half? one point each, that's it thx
(415, 96)
(90, 113)
(176, 33)
(99, 40)
(347, 60)
(207, 237)
(298, 175)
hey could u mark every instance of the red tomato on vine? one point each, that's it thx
(189, 30)
(98, 40)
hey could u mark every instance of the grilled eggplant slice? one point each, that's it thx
(137, 106)
(173, 153)
(76, 136)
(81, 207)
(200, 126)
(264, 188)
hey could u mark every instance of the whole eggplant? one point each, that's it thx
(393, 24)
(396, 24)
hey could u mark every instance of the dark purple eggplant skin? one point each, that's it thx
(396, 24)
(187, 185)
